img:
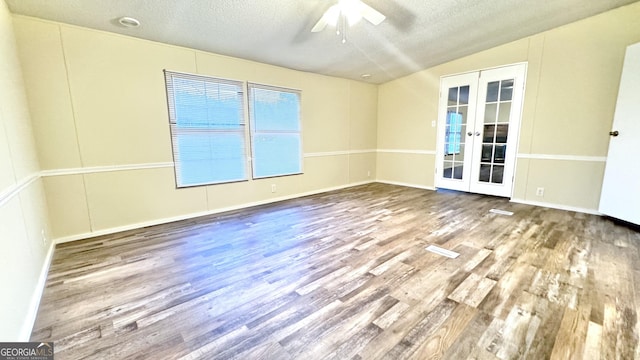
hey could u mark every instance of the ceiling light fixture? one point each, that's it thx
(129, 22)
(347, 13)
(365, 76)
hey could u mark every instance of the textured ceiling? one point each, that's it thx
(417, 34)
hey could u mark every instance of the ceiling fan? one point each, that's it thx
(347, 13)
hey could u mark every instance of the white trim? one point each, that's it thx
(365, 151)
(326, 153)
(556, 206)
(407, 151)
(201, 213)
(99, 169)
(424, 187)
(563, 157)
(14, 190)
(484, 69)
(110, 168)
(288, 197)
(338, 153)
(36, 297)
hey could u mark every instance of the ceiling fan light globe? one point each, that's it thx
(347, 13)
(352, 10)
(353, 18)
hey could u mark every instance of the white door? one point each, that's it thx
(500, 96)
(477, 148)
(620, 196)
(457, 108)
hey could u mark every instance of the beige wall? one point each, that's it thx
(98, 103)
(572, 83)
(97, 110)
(23, 218)
(103, 138)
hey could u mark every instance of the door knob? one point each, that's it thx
(614, 133)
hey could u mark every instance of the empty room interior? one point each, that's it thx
(321, 179)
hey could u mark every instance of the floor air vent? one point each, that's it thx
(444, 252)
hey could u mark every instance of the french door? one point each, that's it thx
(478, 125)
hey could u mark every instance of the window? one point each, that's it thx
(453, 134)
(206, 117)
(275, 131)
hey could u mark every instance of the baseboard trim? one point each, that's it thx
(556, 206)
(34, 304)
(114, 230)
(406, 184)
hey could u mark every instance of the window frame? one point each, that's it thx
(174, 130)
(253, 128)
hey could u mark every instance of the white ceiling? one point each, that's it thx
(417, 34)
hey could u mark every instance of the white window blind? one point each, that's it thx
(275, 131)
(206, 117)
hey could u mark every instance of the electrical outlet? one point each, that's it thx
(44, 237)
(433, 123)
(368, 173)
(540, 191)
(273, 188)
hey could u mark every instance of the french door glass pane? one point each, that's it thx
(489, 134)
(501, 133)
(506, 90)
(447, 167)
(487, 153)
(505, 112)
(485, 172)
(499, 153)
(460, 155)
(497, 112)
(496, 176)
(447, 157)
(464, 95)
(490, 111)
(453, 96)
(456, 124)
(492, 91)
(457, 170)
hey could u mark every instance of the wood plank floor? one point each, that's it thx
(345, 275)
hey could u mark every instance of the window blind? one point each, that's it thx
(276, 141)
(206, 117)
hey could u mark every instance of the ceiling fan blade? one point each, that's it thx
(320, 25)
(372, 15)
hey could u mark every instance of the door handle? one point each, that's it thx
(614, 133)
(469, 133)
(477, 133)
